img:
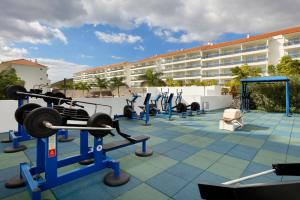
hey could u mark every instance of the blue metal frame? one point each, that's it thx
(49, 164)
(167, 111)
(267, 79)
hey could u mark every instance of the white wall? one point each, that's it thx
(32, 75)
(8, 107)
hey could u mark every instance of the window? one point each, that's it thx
(41, 79)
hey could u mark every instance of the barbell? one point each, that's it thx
(17, 92)
(44, 122)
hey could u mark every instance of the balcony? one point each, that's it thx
(231, 63)
(216, 75)
(255, 48)
(193, 66)
(179, 76)
(193, 75)
(292, 42)
(254, 60)
(210, 65)
(294, 55)
(211, 55)
(231, 52)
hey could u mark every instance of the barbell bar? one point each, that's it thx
(249, 177)
(104, 128)
(13, 91)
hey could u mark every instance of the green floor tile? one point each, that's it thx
(155, 140)
(47, 195)
(234, 162)
(143, 192)
(280, 139)
(226, 171)
(203, 159)
(161, 162)
(183, 129)
(12, 159)
(266, 157)
(233, 138)
(252, 142)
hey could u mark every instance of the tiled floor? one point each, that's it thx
(187, 151)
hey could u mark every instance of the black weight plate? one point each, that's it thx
(99, 120)
(36, 91)
(82, 113)
(58, 95)
(195, 106)
(33, 122)
(22, 111)
(152, 109)
(11, 92)
(46, 99)
(181, 107)
(127, 111)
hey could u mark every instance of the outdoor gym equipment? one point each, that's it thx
(129, 109)
(167, 111)
(20, 93)
(154, 105)
(232, 190)
(43, 124)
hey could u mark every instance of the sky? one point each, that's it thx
(73, 35)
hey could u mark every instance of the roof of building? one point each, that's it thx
(24, 62)
(105, 67)
(265, 79)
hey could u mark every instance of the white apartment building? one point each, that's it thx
(214, 61)
(108, 72)
(33, 73)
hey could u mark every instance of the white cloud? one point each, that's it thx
(139, 48)
(116, 57)
(60, 69)
(180, 20)
(118, 37)
(7, 52)
(85, 56)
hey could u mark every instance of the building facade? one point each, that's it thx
(209, 62)
(34, 74)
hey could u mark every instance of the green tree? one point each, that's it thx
(101, 83)
(207, 83)
(82, 86)
(170, 82)
(179, 83)
(287, 66)
(152, 78)
(245, 71)
(117, 82)
(9, 77)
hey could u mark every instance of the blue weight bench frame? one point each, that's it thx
(48, 163)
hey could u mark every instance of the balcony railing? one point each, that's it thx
(192, 75)
(213, 75)
(231, 63)
(193, 66)
(254, 60)
(256, 48)
(210, 65)
(294, 55)
(292, 42)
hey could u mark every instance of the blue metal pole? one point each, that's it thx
(242, 94)
(287, 99)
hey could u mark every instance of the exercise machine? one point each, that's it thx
(154, 105)
(232, 190)
(130, 113)
(43, 123)
(167, 111)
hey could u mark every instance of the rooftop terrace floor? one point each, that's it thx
(187, 151)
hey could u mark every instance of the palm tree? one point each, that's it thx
(245, 71)
(82, 86)
(117, 82)
(101, 83)
(152, 78)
